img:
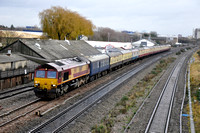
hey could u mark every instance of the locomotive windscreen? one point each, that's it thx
(40, 74)
(51, 74)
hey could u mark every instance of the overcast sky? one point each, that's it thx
(168, 17)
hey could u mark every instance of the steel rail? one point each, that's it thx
(171, 102)
(23, 106)
(10, 94)
(182, 105)
(16, 89)
(22, 115)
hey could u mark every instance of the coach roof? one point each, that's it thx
(98, 57)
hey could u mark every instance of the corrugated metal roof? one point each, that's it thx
(125, 45)
(138, 43)
(83, 48)
(59, 49)
(12, 58)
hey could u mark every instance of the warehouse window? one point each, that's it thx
(12, 65)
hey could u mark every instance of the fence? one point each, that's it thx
(16, 72)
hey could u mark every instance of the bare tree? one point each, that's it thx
(8, 37)
(108, 34)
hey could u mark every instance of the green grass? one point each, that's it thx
(195, 92)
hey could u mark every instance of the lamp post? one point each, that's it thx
(108, 36)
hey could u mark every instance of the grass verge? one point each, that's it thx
(126, 108)
(195, 91)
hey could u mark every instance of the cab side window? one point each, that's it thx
(66, 76)
(59, 75)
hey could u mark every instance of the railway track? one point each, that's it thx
(182, 104)
(159, 120)
(33, 106)
(61, 120)
(11, 93)
(19, 112)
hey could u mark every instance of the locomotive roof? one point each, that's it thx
(64, 64)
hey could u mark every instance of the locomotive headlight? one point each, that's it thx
(53, 85)
(37, 84)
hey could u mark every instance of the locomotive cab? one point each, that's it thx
(54, 79)
(45, 81)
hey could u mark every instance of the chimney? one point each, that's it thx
(9, 52)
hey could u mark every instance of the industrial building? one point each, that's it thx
(196, 33)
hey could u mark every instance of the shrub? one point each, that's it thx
(198, 53)
(178, 53)
(114, 113)
(188, 48)
(99, 129)
(162, 61)
(124, 98)
(123, 111)
(182, 50)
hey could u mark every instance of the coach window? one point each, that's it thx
(66, 76)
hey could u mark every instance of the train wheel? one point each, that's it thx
(57, 92)
(78, 83)
(61, 91)
(66, 88)
(92, 78)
